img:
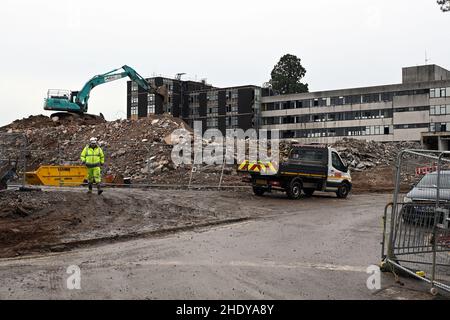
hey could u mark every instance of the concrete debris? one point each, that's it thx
(141, 149)
(128, 144)
(361, 154)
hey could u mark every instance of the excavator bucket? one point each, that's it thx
(162, 91)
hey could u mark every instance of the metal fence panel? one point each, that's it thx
(14, 151)
(416, 235)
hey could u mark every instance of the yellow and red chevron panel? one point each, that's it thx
(263, 167)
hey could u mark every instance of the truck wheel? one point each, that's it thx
(294, 190)
(343, 191)
(309, 191)
(258, 191)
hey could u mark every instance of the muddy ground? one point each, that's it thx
(314, 248)
(53, 220)
(57, 220)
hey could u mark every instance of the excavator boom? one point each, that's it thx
(77, 101)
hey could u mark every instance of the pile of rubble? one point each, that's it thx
(141, 149)
(361, 154)
(135, 148)
(41, 121)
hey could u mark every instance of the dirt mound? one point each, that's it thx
(58, 119)
(55, 220)
(140, 149)
(133, 148)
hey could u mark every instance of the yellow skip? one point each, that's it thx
(57, 176)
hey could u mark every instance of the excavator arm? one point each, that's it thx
(77, 101)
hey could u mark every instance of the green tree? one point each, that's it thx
(445, 5)
(287, 74)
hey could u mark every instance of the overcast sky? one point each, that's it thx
(348, 43)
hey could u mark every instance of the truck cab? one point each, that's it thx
(309, 168)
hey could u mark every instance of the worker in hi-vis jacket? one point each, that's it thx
(93, 158)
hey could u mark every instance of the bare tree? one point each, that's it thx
(445, 5)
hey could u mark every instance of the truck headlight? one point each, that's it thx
(407, 200)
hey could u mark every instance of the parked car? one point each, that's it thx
(419, 204)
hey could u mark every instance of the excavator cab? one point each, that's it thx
(61, 100)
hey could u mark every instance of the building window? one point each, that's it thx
(432, 110)
(439, 92)
(371, 98)
(440, 110)
(134, 87)
(346, 131)
(439, 126)
(387, 96)
(212, 122)
(213, 110)
(323, 102)
(337, 101)
(411, 126)
(150, 104)
(134, 110)
(343, 116)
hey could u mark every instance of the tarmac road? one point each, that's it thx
(314, 248)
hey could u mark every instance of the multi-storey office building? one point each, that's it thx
(219, 108)
(418, 109)
(225, 108)
(140, 103)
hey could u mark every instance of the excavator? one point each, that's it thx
(76, 102)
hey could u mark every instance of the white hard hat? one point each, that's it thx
(93, 140)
